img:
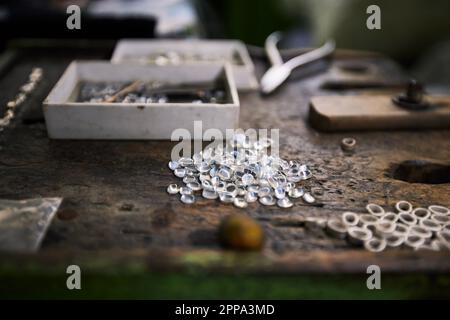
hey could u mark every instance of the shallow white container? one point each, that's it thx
(128, 50)
(67, 119)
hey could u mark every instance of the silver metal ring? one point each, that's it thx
(394, 240)
(421, 231)
(389, 216)
(414, 241)
(385, 227)
(444, 238)
(421, 213)
(337, 228)
(439, 210)
(375, 244)
(441, 219)
(403, 206)
(407, 218)
(358, 236)
(430, 225)
(348, 144)
(350, 218)
(401, 230)
(375, 209)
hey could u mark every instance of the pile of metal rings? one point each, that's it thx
(240, 175)
(417, 228)
(25, 90)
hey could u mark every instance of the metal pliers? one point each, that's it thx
(280, 71)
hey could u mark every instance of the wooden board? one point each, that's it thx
(367, 112)
(116, 210)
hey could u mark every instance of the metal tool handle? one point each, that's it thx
(271, 48)
(313, 55)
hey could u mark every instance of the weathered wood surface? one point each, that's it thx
(116, 207)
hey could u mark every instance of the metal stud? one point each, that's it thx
(285, 203)
(187, 198)
(172, 189)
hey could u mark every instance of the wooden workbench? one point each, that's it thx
(116, 209)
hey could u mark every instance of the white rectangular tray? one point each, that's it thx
(67, 119)
(136, 50)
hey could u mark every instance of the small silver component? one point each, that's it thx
(172, 189)
(421, 213)
(350, 218)
(435, 209)
(394, 240)
(195, 186)
(336, 228)
(209, 194)
(441, 219)
(407, 218)
(375, 244)
(180, 172)
(358, 236)
(389, 216)
(308, 198)
(173, 165)
(385, 227)
(284, 203)
(375, 209)
(429, 224)
(251, 196)
(296, 192)
(403, 206)
(348, 144)
(187, 198)
(414, 241)
(185, 190)
(420, 231)
(240, 202)
(267, 200)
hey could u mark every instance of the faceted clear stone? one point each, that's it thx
(204, 176)
(195, 186)
(185, 190)
(225, 197)
(220, 187)
(187, 198)
(247, 179)
(203, 167)
(267, 200)
(264, 191)
(251, 196)
(180, 172)
(240, 202)
(224, 173)
(308, 198)
(215, 181)
(189, 179)
(231, 189)
(185, 161)
(241, 191)
(285, 203)
(280, 193)
(173, 165)
(296, 192)
(206, 184)
(289, 186)
(172, 188)
(253, 188)
(209, 194)
(197, 157)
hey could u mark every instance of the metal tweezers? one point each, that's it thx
(280, 71)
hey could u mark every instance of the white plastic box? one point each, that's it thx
(136, 51)
(67, 119)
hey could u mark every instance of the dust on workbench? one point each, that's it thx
(115, 195)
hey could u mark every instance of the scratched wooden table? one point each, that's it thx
(116, 212)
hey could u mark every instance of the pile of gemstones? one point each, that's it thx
(241, 173)
(417, 228)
